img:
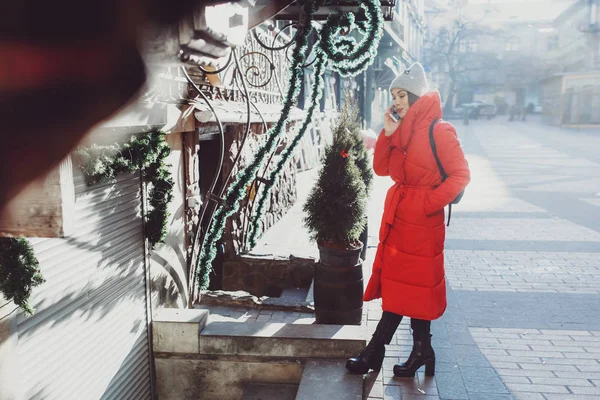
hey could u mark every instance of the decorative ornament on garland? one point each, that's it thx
(335, 50)
(147, 153)
(19, 272)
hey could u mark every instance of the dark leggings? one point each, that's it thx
(420, 327)
(386, 328)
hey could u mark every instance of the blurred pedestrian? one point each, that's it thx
(512, 111)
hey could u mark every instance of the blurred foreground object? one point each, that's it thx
(67, 65)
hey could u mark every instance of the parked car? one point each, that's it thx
(455, 113)
(479, 109)
(488, 111)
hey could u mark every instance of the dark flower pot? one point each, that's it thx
(338, 286)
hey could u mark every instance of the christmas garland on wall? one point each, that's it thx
(317, 92)
(147, 153)
(20, 269)
(237, 190)
(341, 54)
(19, 272)
(338, 51)
(346, 56)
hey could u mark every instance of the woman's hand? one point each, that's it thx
(389, 125)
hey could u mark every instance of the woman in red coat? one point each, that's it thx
(408, 271)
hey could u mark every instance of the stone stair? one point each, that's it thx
(329, 380)
(321, 380)
(281, 340)
(223, 360)
(270, 391)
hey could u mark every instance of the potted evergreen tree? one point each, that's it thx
(335, 217)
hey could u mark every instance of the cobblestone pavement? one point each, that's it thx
(523, 269)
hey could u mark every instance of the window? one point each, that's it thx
(472, 46)
(444, 36)
(468, 46)
(553, 43)
(513, 44)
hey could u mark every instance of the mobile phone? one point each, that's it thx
(394, 114)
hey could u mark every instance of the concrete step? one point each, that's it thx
(292, 341)
(294, 294)
(329, 380)
(270, 391)
(176, 330)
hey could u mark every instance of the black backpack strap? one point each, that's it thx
(434, 149)
(439, 163)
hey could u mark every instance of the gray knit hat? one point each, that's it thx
(412, 80)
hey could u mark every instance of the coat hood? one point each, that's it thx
(418, 117)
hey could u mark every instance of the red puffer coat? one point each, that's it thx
(408, 272)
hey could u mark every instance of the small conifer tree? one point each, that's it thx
(336, 207)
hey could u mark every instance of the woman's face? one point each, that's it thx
(400, 100)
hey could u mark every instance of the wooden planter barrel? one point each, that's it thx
(338, 287)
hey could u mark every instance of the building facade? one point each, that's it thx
(400, 47)
(90, 336)
(501, 52)
(570, 94)
(572, 42)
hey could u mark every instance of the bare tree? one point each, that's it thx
(452, 47)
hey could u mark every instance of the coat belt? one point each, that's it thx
(392, 199)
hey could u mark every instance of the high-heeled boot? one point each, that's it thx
(422, 353)
(372, 356)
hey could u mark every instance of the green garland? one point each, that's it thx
(147, 153)
(317, 92)
(348, 57)
(20, 269)
(237, 190)
(343, 56)
(19, 272)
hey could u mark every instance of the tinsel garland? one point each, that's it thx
(348, 57)
(19, 268)
(343, 56)
(317, 92)
(19, 271)
(146, 153)
(237, 190)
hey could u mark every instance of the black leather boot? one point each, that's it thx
(372, 356)
(422, 353)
